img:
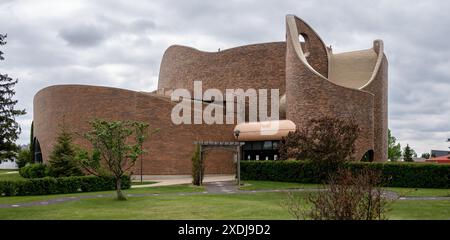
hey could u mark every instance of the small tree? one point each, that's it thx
(9, 128)
(116, 145)
(198, 169)
(327, 141)
(408, 154)
(426, 155)
(23, 158)
(394, 149)
(62, 158)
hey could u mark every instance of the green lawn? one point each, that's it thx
(421, 192)
(4, 175)
(265, 185)
(420, 209)
(226, 206)
(184, 188)
(405, 192)
(170, 205)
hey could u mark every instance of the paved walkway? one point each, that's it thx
(166, 180)
(219, 187)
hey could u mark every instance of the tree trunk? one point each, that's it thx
(120, 195)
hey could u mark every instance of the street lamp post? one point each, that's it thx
(236, 134)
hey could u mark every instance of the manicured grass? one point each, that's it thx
(245, 206)
(421, 192)
(225, 206)
(265, 185)
(419, 209)
(404, 192)
(5, 176)
(184, 188)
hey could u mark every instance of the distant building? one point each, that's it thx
(439, 153)
(441, 159)
(8, 165)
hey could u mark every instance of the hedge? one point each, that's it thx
(410, 175)
(50, 185)
(35, 170)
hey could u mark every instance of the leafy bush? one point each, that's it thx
(23, 158)
(35, 170)
(50, 185)
(412, 175)
(326, 141)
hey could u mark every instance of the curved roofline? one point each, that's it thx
(87, 86)
(223, 50)
(378, 47)
(292, 31)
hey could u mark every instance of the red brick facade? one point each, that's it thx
(277, 65)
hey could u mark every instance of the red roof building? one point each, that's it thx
(441, 159)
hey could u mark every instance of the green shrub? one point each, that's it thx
(50, 185)
(35, 170)
(412, 175)
(23, 158)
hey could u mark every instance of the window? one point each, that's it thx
(275, 145)
(257, 146)
(267, 145)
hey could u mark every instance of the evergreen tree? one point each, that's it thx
(394, 149)
(62, 159)
(408, 154)
(9, 128)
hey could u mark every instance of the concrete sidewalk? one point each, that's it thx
(166, 180)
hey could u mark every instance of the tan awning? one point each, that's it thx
(262, 131)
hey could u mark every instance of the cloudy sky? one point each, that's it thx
(120, 44)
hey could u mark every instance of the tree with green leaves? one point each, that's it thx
(426, 155)
(23, 158)
(62, 158)
(9, 128)
(394, 149)
(116, 145)
(408, 154)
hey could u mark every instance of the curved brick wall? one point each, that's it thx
(258, 66)
(169, 151)
(310, 95)
(299, 70)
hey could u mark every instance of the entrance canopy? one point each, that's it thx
(266, 130)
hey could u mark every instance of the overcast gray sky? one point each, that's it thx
(120, 43)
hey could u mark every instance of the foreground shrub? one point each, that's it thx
(347, 196)
(50, 185)
(412, 175)
(35, 170)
